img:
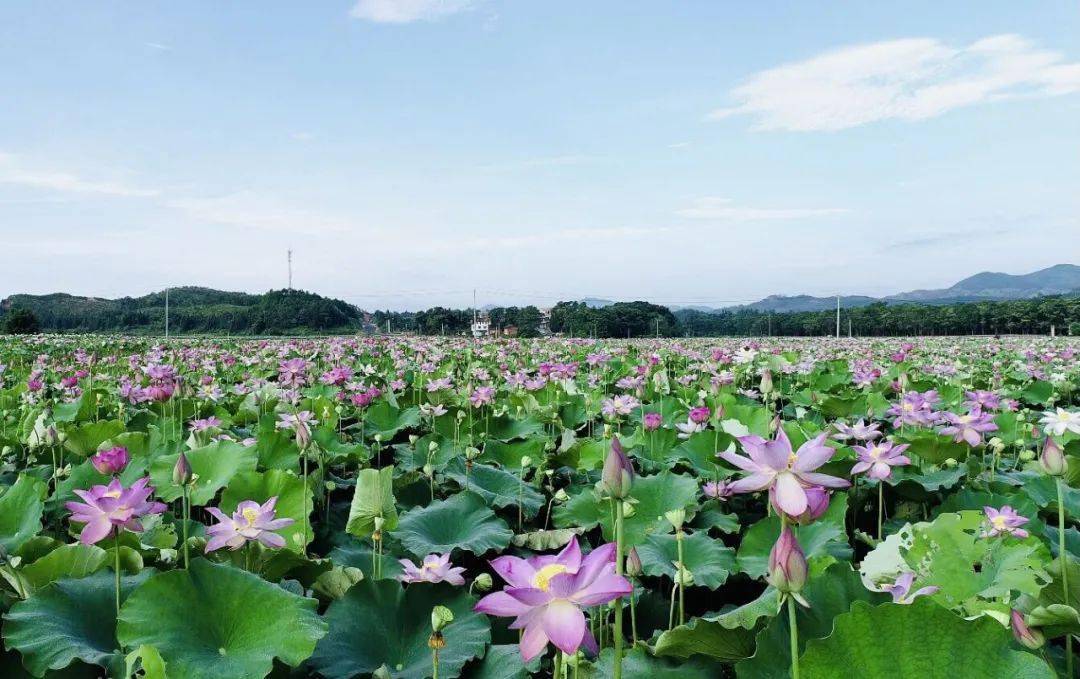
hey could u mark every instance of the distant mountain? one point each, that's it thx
(594, 303)
(191, 309)
(1055, 280)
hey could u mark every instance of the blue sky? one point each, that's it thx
(409, 151)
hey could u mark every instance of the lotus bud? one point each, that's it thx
(482, 583)
(996, 445)
(382, 673)
(428, 470)
(472, 453)
(950, 462)
(607, 431)
(817, 501)
(460, 415)
(766, 385)
(1052, 459)
(413, 438)
(787, 563)
(526, 461)
(181, 474)
(676, 517)
(633, 563)
(561, 496)
(441, 616)
(378, 438)
(1027, 636)
(1026, 455)
(683, 575)
(111, 461)
(618, 474)
(432, 447)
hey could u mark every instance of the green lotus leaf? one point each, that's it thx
(830, 594)
(21, 506)
(638, 663)
(503, 661)
(85, 438)
(498, 488)
(462, 522)
(655, 495)
(68, 561)
(919, 641)
(508, 455)
(728, 636)
(825, 537)
(373, 498)
(69, 620)
(219, 622)
(708, 560)
(386, 420)
(381, 623)
(293, 501)
(215, 466)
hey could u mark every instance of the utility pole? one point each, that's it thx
(657, 327)
(849, 326)
(290, 268)
(166, 313)
(838, 316)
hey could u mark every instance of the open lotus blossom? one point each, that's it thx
(1061, 421)
(113, 506)
(878, 459)
(546, 595)
(1004, 522)
(901, 589)
(967, 428)
(250, 522)
(858, 431)
(773, 465)
(434, 568)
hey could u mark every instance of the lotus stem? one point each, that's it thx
(794, 628)
(880, 506)
(617, 633)
(116, 568)
(1064, 568)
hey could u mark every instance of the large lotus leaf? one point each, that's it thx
(357, 554)
(386, 420)
(700, 451)
(68, 561)
(415, 455)
(69, 620)
(503, 661)
(21, 506)
(826, 536)
(919, 641)
(956, 558)
(655, 495)
(508, 455)
(638, 663)
(215, 466)
(373, 498)
(85, 439)
(219, 622)
(463, 522)
(498, 488)
(830, 594)
(708, 560)
(293, 501)
(933, 448)
(381, 623)
(728, 636)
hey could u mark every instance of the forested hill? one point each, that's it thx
(191, 310)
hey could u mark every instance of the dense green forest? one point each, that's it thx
(195, 310)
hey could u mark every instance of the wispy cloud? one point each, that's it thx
(408, 11)
(251, 210)
(161, 47)
(16, 172)
(910, 79)
(725, 209)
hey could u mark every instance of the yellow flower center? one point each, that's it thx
(112, 493)
(250, 515)
(998, 522)
(875, 453)
(909, 407)
(543, 577)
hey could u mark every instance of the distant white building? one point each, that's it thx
(481, 325)
(545, 322)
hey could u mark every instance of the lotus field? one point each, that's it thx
(433, 507)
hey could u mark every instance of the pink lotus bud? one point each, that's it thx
(181, 475)
(817, 501)
(618, 474)
(651, 421)
(1027, 636)
(633, 563)
(787, 563)
(111, 461)
(1053, 458)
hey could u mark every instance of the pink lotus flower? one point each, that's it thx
(546, 595)
(879, 459)
(901, 589)
(250, 522)
(651, 421)
(434, 568)
(1004, 522)
(787, 474)
(111, 461)
(112, 506)
(968, 428)
(482, 396)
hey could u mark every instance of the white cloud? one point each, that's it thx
(161, 47)
(724, 209)
(252, 210)
(12, 171)
(909, 79)
(407, 11)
